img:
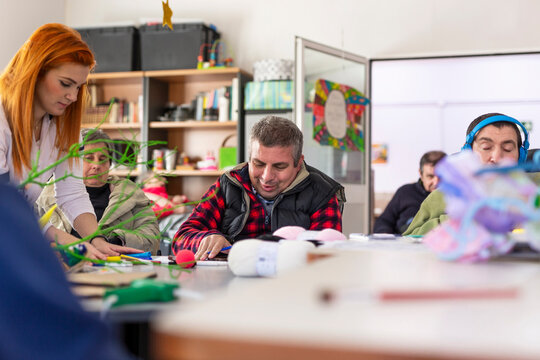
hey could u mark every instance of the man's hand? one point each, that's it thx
(112, 250)
(213, 244)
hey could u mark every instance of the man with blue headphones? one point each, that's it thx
(496, 136)
(492, 137)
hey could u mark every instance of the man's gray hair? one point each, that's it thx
(273, 131)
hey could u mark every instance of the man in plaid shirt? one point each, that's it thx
(274, 189)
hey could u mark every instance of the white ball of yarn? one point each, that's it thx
(242, 257)
(292, 254)
(254, 257)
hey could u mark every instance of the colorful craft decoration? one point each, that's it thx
(379, 153)
(167, 14)
(484, 204)
(337, 111)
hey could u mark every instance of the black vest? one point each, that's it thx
(292, 207)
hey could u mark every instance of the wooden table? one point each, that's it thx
(204, 280)
(284, 318)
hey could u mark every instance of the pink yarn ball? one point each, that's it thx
(330, 235)
(289, 232)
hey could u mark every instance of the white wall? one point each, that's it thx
(427, 104)
(374, 28)
(20, 19)
(257, 29)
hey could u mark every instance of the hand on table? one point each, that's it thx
(109, 249)
(64, 238)
(213, 244)
(93, 253)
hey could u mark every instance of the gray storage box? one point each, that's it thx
(115, 48)
(165, 49)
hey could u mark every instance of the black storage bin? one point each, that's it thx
(165, 49)
(115, 48)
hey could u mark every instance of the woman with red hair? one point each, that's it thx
(42, 96)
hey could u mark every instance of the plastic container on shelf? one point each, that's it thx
(165, 49)
(116, 48)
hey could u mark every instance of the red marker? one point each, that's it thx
(329, 296)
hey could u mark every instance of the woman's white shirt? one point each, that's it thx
(71, 195)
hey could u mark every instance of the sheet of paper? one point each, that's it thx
(109, 279)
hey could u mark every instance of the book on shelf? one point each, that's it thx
(235, 92)
(199, 105)
(213, 105)
(139, 108)
(113, 114)
(121, 112)
(124, 112)
(224, 95)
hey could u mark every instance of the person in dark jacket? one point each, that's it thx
(275, 188)
(41, 318)
(407, 200)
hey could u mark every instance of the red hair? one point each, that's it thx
(49, 47)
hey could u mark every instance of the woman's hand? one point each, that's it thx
(93, 253)
(110, 249)
(63, 238)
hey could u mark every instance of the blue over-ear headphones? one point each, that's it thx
(495, 118)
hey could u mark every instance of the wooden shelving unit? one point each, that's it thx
(124, 173)
(193, 124)
(95, 77)
(210, 173)
(194, 138)
(114, 126)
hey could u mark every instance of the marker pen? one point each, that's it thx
(224, 249)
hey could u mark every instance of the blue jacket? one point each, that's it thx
(41, 318)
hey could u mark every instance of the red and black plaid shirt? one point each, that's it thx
(206, 218)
